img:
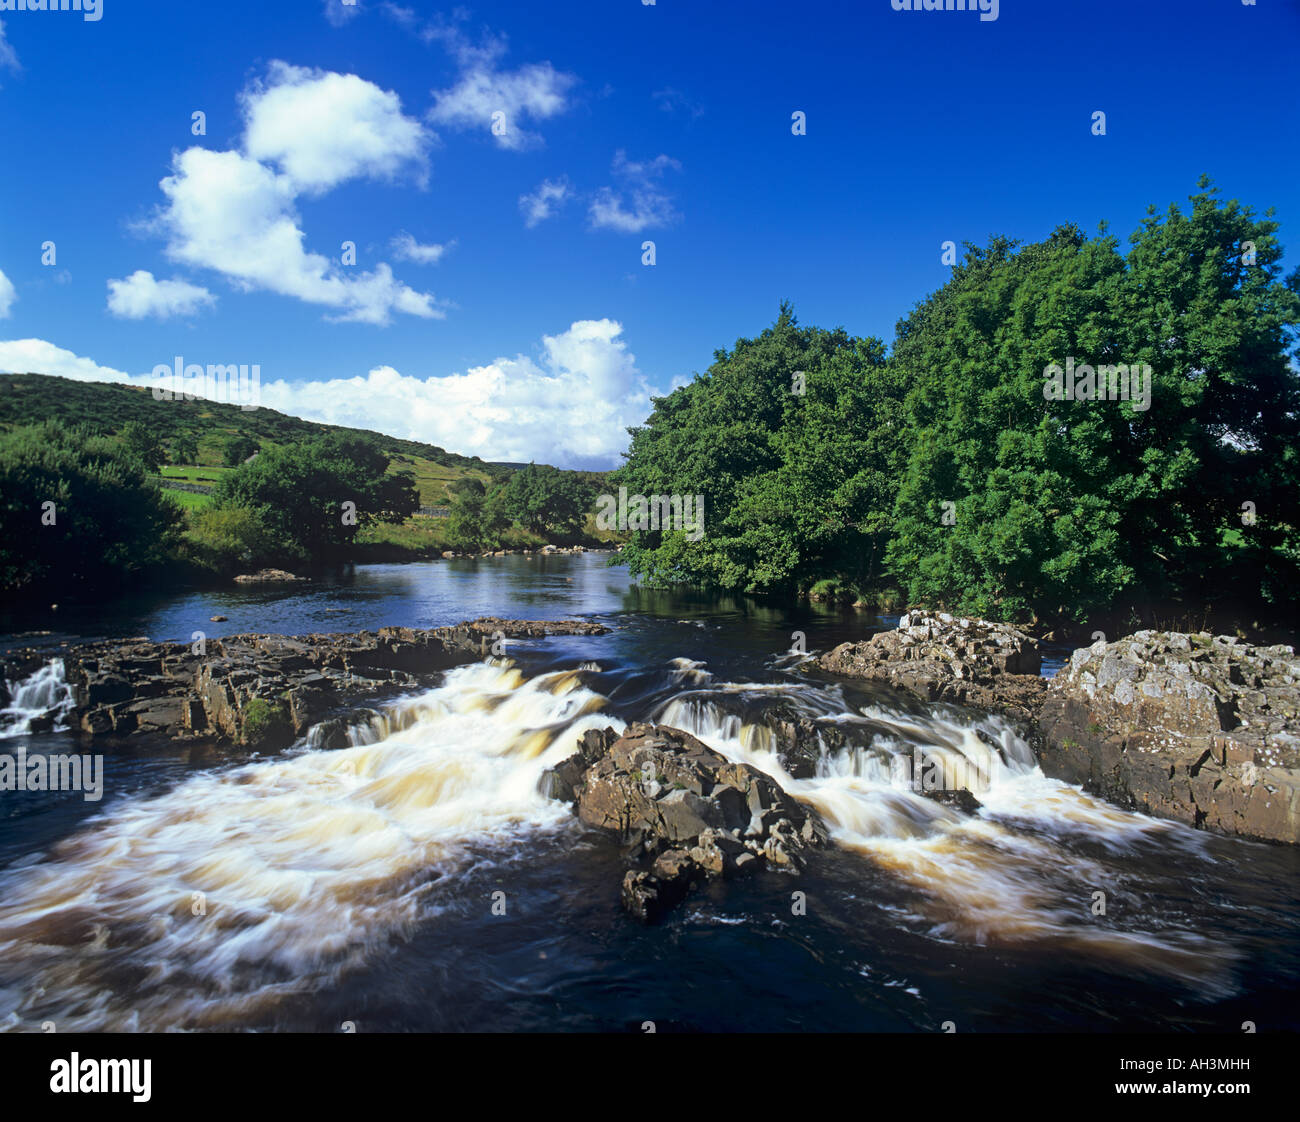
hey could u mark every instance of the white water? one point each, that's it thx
(1000, 876)
(307, 865)
(46, 691)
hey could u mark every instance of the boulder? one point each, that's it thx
(682, 807)
(940, 657)
(1200, 728)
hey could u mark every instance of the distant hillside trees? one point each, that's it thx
(238, 449)
(477, 518)
(142, 442)
(78, 511)
(183, 449)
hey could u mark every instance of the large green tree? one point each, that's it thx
(792, 440)
(314, 495)
(1062, 508)
(546, 500)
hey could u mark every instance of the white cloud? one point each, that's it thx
(406, 248)
(534, 92)
(671, 100)
(338, 13)
(571, 407)
(640, 203)
(36, 356)
(141, 295)
(8, 56)
(8, 294)
(323, 128)
(550, 195)
(229, 212)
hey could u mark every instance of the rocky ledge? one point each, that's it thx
(260, 690)
(940, 657)
(1201, 728)
(686, 813)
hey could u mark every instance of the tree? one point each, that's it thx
(184, 449)
(546, 500)
(239, 448)
(142, 442)
(1063, 508)
(78, 511)
(477, 517)
(313, 496)
(793, 440)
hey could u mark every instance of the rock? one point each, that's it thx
(218, 619)
(268, 576)
(134, 686)
(683, 806)
(1203, 729)
(938, 657)
(801, 743)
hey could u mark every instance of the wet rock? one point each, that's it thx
(799, 741)
(284, 683)
(940, 657)
(268, 576)
(685, 807)
(1204, 729)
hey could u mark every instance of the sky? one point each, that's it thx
(499, 168)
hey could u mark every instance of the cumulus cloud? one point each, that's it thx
(406, 248)
(235, 214)
(535, 92)
(639, 202)
(550, 195)
(571, 406)
(36, 356)
(8, 294)
(141, 295)
(323, 128)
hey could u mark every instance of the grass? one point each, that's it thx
(189, 500)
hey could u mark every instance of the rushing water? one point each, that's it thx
(417, 879)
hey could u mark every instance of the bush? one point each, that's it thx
(78, 511)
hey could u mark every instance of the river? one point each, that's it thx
(417, 881)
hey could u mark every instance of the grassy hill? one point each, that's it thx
(32, 398)
(108, 407)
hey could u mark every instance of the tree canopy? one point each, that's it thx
(945, 468)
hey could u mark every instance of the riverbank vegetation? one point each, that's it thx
(943, 474)
(949, 469)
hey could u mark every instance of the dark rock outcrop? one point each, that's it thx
(940, 657)
(262, 690)
(1201, 728)
(685, 812)
(799, 740)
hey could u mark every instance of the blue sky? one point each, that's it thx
(498, 305)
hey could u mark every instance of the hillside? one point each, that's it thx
(32, 398)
